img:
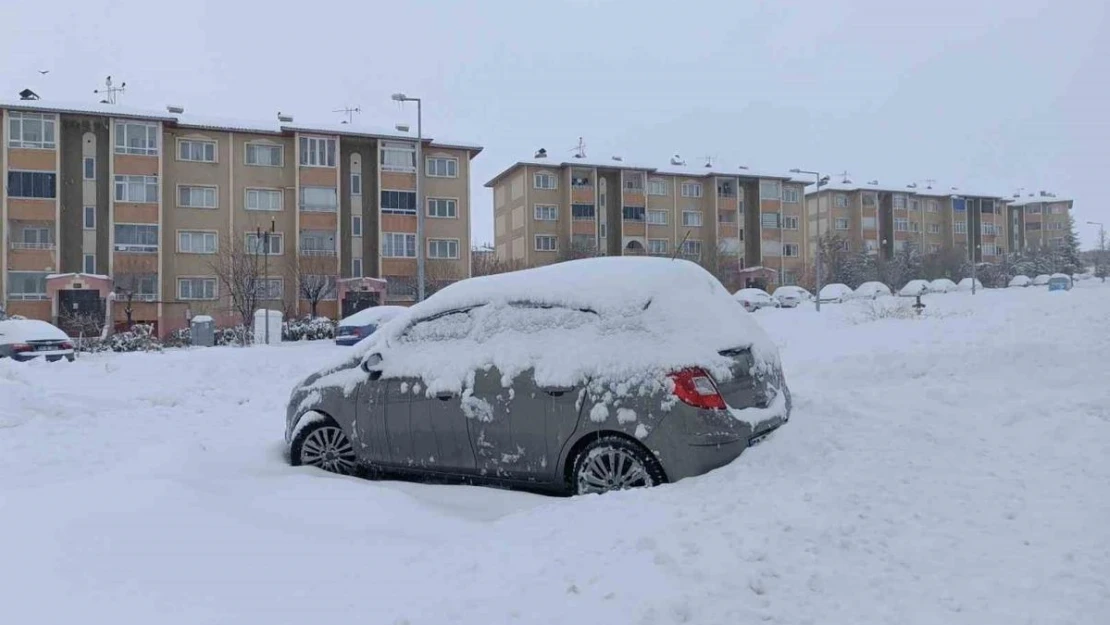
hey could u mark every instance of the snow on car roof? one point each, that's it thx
(835, 287)
(751, 292)
(21, 330)
(374, 314)
(620, 323)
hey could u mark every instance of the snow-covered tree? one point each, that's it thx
(315, 278)
(1069, 254)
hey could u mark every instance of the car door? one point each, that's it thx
(526, 426)
(422, 431)
(371, 442)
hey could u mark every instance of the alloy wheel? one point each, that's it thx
(328, 448)
(611, 468)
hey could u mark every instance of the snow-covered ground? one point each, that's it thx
(944, 470)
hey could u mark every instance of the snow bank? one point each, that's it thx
(965, 284)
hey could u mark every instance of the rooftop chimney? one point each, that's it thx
(618, 158)
(285, 118)
(176, 110)
(677, 160)
(541, 153)
(27, 94)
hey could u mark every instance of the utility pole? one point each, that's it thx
(817, 195)
(262, 242)
(421, 246)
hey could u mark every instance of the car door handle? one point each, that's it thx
(444, 396)
(556, 392)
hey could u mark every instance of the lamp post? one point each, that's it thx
(1100, 264)
(262, 242)
(420, 245)
(974, 268)
(817, 193)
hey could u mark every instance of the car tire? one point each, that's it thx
(324, 445)
(613, 462)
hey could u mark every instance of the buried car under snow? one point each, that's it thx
(585, 376)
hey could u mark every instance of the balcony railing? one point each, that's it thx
(28, 297)
(319, 208)
(19, 245)
(317, 252)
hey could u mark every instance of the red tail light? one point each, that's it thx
(66, 345)
(19, 348)
(696, 388)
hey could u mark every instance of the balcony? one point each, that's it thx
(317, 252)
(20, 245)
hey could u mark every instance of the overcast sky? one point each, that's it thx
(991, 95)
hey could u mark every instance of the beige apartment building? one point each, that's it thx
(100, 202)
(884, 219)
(1038, 220)
(547, 210)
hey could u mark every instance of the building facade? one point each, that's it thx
(1039, 220)
(154, 207)
(547, 210)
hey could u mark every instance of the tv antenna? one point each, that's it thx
(349, 112)
(844, 177)
(110, 91)
(580, 149)
(709, 160)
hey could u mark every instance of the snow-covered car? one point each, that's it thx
(791, 296)
(966, 284)
(914, 288)
(26, 339)
(1059, 282)
(835, 293)
(942, 285)
(585, 376)
(352, 329)
(1041, 280)
(871, 290)
(754, 299)
(1020, 281)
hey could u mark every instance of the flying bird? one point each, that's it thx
(44, 71)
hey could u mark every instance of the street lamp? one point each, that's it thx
(975, 267)
(400, 97)
(1100, 265)
(262, 242)
(817, 193)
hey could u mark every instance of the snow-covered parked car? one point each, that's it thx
(1041, 280)
(1020, 281)
(1059, 282)
(942, 285)
(914, 288)
(352, 329)
(791, 296)
(754, 299)
(26, 339)
(871, 290)
(966, 284)
(835, 293)
(585, 376)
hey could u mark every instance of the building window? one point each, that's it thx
(399, 202)
(398, 245)
(137, 189)
(356, 183)
(27, 285)
(196, 242)
(845, 245)
(934, 248)
(319, 199)
(691, 189)
(398, 157)
(692, 248)
(601, 230)
(88, 263)
(915, 205)
(657, 217)
(196, 288)
(317, 152)
(270, 289)
(1033, 209)
(790, 249)
(196, 150)
(136, 238)
(915, 227)
(447, 249)
(633, 213)
(960, 227)
(264, 155)
(33, 238)
(582, 212)
(442, 208)
(88, 221)
(271, 244)
(658, 186)
(264, 199)
(583, 242)
(544, 181)
(869, 199)
(356, 225)
(136, 138)
(1058, 209)
(318, 284)
(770, 190)
(790, 223)
(901, 224)
(868, 223)
(726, 188)
(840, 224)
(986, 206)
(899, 201)
(727, 217)
(691, 218)
(545, 243)
(770, 220)
(441, 167)
(196, 197)
(934, 228)
(634, 182)
(840, 201)
(871, 245)
(790, 195)
(31, 130)
(318, 242)
(90, 168)
(356, 267)
(657, 246)
(32, 184)
(931, 206)
(545, 212)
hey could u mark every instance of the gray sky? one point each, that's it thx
(994, 95)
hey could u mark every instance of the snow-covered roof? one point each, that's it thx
(374, 314)
(192, 120)
(1036, 199)
(936, 190)
(692, 171)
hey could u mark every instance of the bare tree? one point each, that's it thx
(133, 282)
(486, 263)
(315, 277)
(239, 271)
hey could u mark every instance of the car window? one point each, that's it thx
(528, 318)
(446, 326)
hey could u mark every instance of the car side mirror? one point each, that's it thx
(370, 365)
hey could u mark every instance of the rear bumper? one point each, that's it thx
(53, 356)
(347, 341)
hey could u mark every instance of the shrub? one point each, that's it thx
(308, 329)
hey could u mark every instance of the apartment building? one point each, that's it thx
(1039, 220)
(148, 206)
(884, 218)
(547, 210)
